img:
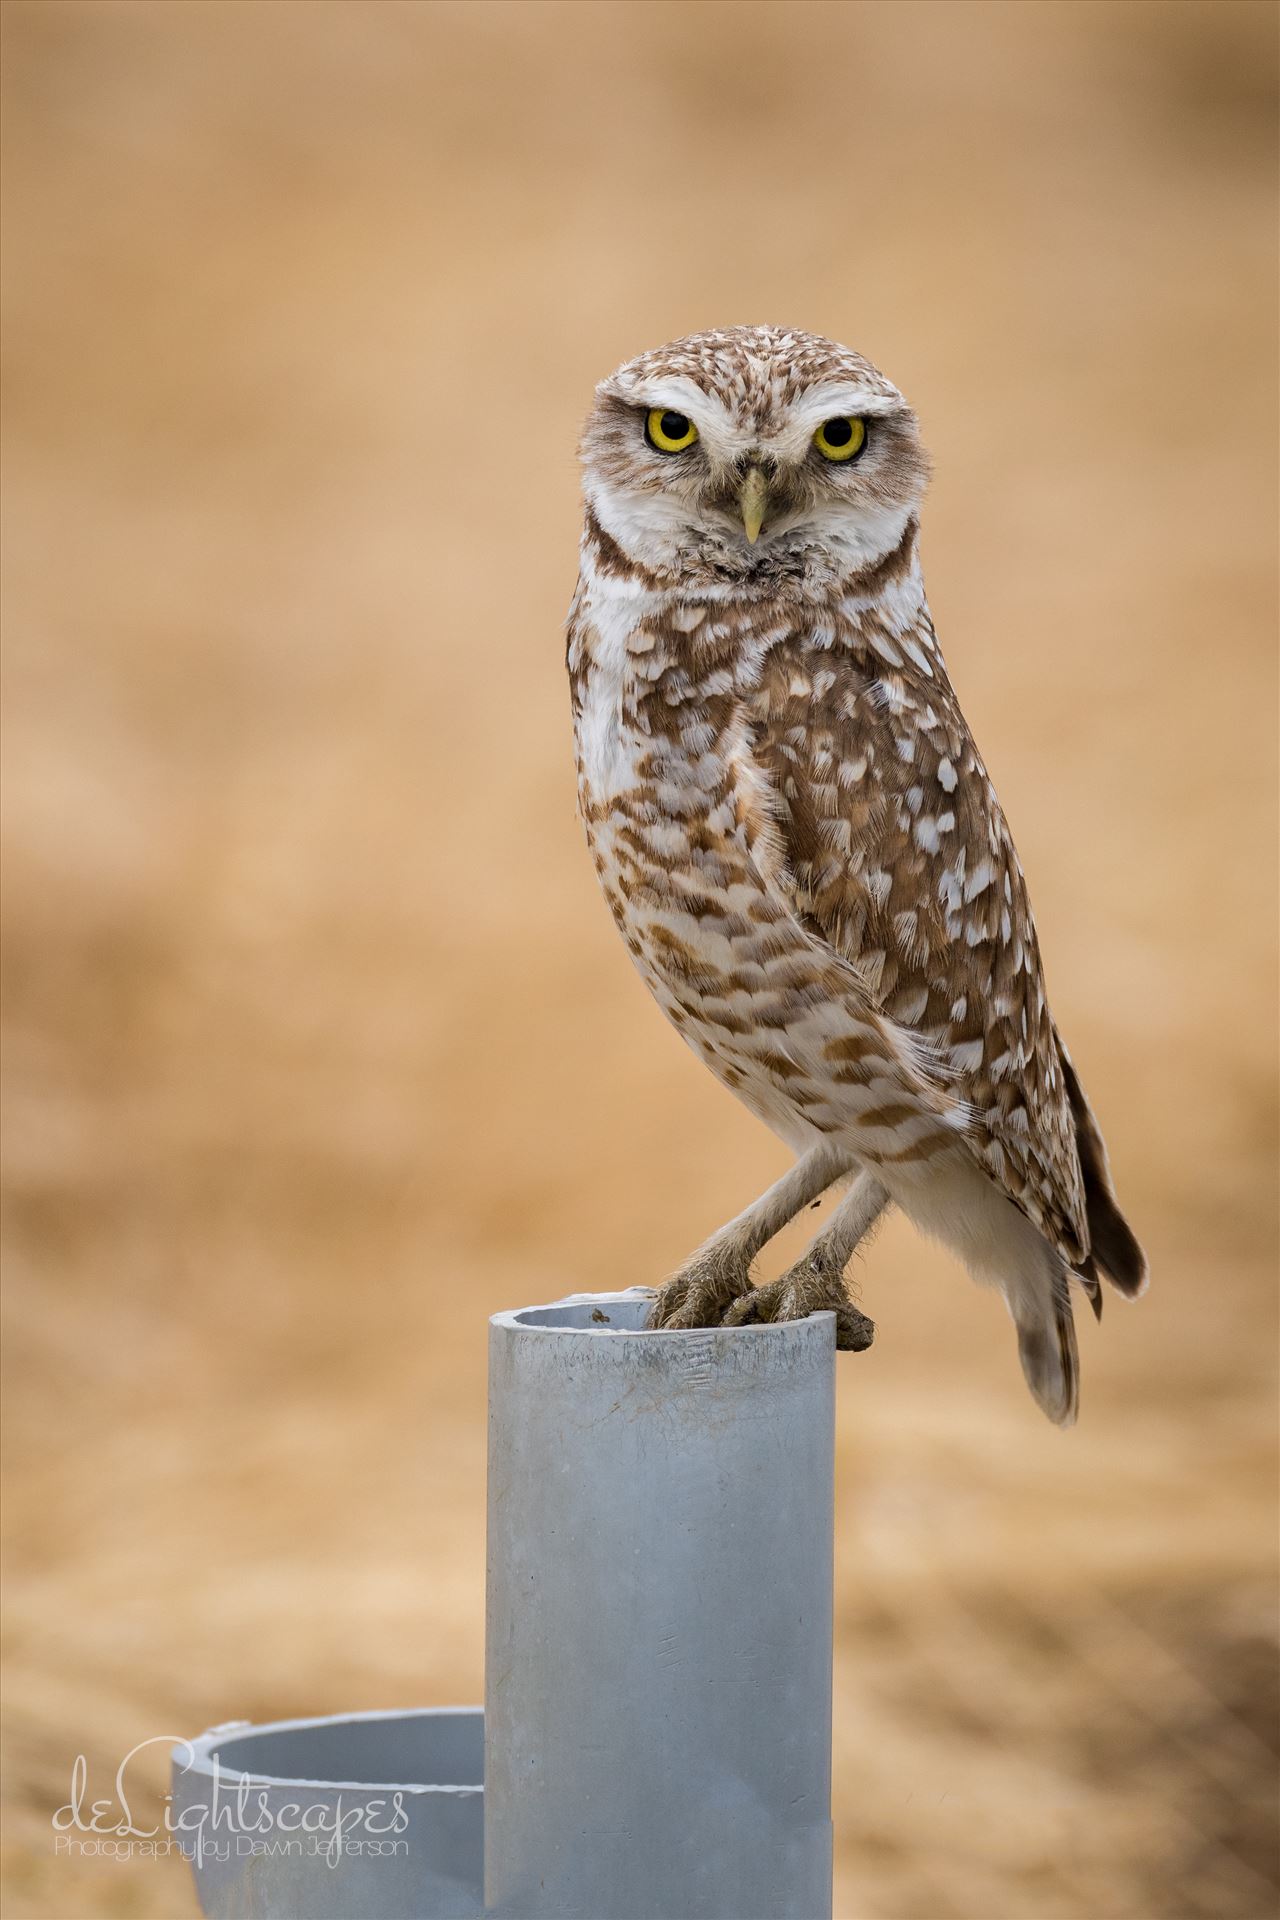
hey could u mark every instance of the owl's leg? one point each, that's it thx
(816, 1282)
(720, 1270)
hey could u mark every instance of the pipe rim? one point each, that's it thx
(523, 1320)
(204, 1746)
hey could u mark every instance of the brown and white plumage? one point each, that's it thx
(801, 845)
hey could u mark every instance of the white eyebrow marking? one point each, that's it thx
(678, 393)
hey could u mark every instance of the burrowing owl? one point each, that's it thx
(801, 846)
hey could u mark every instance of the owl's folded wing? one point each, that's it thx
(892, 849)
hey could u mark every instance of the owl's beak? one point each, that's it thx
(753, 497)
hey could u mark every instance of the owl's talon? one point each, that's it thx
(854, 1331)
(696, 1297)
(805, 1289)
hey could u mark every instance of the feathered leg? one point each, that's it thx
(816, 1281)
(720, 1270)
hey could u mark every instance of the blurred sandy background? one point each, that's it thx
(319, 1043)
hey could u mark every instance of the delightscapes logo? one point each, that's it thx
(234, 1816)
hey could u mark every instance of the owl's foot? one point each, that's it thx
(811, 1286)
(699, 1295)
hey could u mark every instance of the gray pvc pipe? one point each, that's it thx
(256, 1809)
(658, 1648)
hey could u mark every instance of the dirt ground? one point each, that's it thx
(319, 1044)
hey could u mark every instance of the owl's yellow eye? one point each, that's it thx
(842, 438)
(669, 432)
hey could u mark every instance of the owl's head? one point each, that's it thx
(753, 455)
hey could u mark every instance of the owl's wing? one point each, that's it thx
(893, 850)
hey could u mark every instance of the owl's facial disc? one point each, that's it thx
(752, 454)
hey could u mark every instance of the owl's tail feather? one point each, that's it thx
(1047, 1349)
